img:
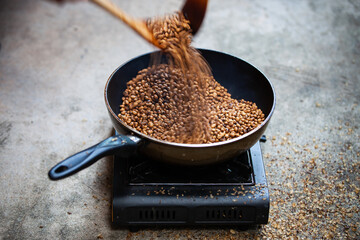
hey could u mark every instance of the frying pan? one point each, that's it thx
(242, 80)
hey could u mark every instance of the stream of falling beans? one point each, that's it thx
(173, 34)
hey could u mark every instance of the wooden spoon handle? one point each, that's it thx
(138, 25)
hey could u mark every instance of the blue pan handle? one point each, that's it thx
(83, 159)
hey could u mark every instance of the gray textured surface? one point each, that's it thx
(54, 62)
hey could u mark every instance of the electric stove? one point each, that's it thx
(149, 193)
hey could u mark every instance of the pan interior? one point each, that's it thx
(240, 78)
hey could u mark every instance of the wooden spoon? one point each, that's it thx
(193, 10)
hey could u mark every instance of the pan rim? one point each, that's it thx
(188, 145)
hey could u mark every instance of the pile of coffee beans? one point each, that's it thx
(152, 107)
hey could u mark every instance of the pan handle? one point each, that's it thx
(83, 159)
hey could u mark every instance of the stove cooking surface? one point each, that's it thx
(150, 193)
(237, 171)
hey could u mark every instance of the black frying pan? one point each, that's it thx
(241, 79)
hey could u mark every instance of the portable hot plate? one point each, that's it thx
(148, 193)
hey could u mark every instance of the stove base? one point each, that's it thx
(136, 205)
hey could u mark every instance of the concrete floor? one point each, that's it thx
(55, 60)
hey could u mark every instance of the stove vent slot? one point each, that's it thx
(220, 214)
(157, 214)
